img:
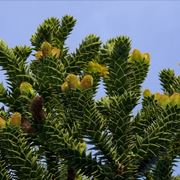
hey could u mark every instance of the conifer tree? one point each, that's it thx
(52, 127)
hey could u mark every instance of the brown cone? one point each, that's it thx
(37, 109)
(26, 126)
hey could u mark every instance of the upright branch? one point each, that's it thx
(52, 126)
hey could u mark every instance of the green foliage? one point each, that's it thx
(19, 156)
(54, 31)
(65, 133)
(169, 81)
(87, 51)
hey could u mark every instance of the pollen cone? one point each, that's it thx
(175, 99)
(2, 123)
(15, 119)
(55, 52)
(46, 48)
(39, 55)
(162, 99)
(26, 88)
(136, 55)
(147, 93)
(87, 82)
(64, 87)
(73, 81)
(146, 58)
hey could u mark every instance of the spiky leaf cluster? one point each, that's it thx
(52, 126)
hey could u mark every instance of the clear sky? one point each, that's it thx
(153, 27)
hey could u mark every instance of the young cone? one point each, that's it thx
(15, 119)
(162, 99)
(136, 55)
(87, 82)
(64, 87)
(146, 58)
(147, 93)
(26, 88)
(39, 55)
(46, 48)
(95, 67)
(55, 52)
(2, 123)
(157, 96)
(73, 81)
(175, 99)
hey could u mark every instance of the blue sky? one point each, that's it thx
(153, 26)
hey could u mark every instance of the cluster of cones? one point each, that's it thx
(164, 99)
(47, 49)
(17, 119)
(73, 82)
(140, 57)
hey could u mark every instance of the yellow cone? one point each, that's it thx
(94, 67)
(147, 93)
(87, 82)
(64, 87)
(157, 96)
(136, 55)
(39, 55)
(55, 52)
(104, 71)
(146, 58)
(73, 81)
(164, 100)
(175, 99)
(26, 88)
(15, 119)
(46, 48)
(2, 123)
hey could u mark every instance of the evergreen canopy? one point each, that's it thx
(53, 128)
